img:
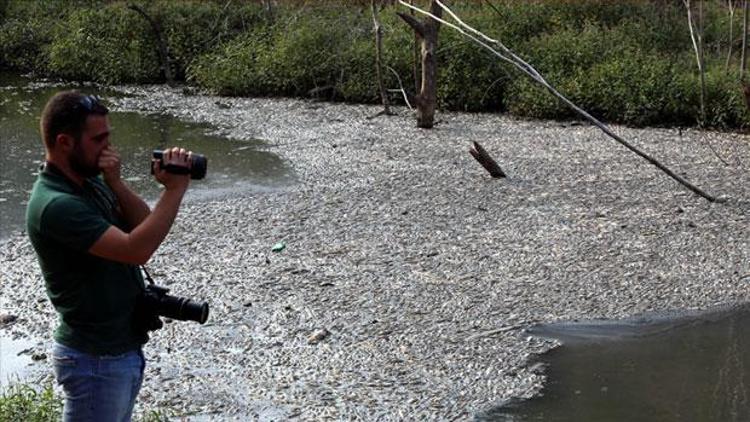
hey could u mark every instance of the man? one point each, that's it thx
(90, 233)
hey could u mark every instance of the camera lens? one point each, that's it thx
(198, 165)
(183, 309)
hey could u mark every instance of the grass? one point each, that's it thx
(22, 402)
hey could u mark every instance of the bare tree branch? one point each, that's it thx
(510, 57)
(406, 96)
(160, 41)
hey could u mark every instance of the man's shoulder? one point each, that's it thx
(46, 196)
(62, 217)
(53, 203)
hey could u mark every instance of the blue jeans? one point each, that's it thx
(98, 388)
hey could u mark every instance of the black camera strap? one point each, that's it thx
(148, 276)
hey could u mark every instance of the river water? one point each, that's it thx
(672, 368)
(233, 165)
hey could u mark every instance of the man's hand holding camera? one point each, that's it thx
(163, 169)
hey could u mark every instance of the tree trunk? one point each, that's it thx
(743, 61)
(269, 10)
(427, 33)
(378, 57)
(696, 35)
(166, 67)
(730, 5)
(414, 64)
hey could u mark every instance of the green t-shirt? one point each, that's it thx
(95, 297)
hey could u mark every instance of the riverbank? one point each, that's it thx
(628, 62)
(422, 269)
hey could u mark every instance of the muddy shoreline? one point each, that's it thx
(423, 269)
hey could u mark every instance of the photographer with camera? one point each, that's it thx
(90, 234)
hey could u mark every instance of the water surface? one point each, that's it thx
(687, 368)
(233, 165)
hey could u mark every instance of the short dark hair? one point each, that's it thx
(66, 112)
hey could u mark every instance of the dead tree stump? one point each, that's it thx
(486, 161)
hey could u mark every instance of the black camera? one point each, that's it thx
(197, 170)
(155, 302)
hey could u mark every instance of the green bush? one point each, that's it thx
(26, 31)
(305, 57)
(106, 44)
(637, 89)
(565, 59)
(193, 28)
(725, 104)
(298, 54)
(20, 46)
(358, 82)
(233, 69)
(470, 79)
(21, 402)
(628, 62)
(528, 98)
(360, 79)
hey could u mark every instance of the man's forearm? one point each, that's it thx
(147, 236)
(132, 207)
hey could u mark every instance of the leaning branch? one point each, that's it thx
(160, 41)
(510, 57)
(401, 89)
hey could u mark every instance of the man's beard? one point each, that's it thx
(79, 166)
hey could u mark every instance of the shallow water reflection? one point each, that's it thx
(15, 359)
(233, 165)
(664, 369)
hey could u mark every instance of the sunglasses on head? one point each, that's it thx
(88, 102)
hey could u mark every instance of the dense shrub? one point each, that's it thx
(108, 44)
(21, 402)
(194, 28)
(21, 46)
(233, 69)
(26, 31)
(637, 88)
(326, 51)
(628, 62)
(725, 106)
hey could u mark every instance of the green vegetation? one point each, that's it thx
(22, 402)
(627, 62)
